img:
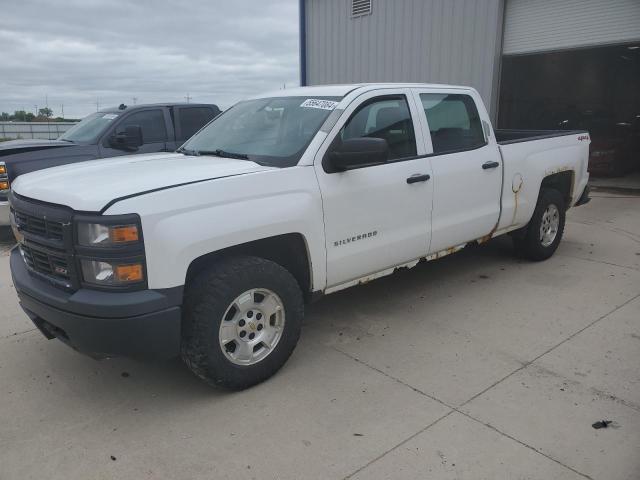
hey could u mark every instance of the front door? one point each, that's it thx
(375, 219)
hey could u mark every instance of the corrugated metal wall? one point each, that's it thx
(541, 25)
(435, 41)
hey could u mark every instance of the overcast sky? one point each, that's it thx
(81, 51)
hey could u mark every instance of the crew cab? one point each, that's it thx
(108, 133)
(212, 252)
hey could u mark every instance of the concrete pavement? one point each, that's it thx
(476, 366)
(630, 183)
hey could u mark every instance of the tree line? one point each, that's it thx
(44, 115)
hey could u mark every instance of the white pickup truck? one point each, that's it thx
(211, 252)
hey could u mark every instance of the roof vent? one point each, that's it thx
(360, 7)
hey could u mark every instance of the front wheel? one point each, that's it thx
(241, 321)
(542, 235)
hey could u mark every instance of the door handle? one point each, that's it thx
(418, 178)
(488, 165)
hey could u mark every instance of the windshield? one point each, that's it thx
(270, 131)
(90, 128)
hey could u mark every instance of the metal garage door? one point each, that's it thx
(543, 25)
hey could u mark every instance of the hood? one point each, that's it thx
(89, 186)
(19, 146)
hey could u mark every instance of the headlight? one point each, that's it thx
(112, 273)
(4, 185)
(110, 251)
(3, 169)
(99, 235)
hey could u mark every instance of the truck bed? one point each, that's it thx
(507, 136)
(528, 157)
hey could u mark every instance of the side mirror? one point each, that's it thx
(359, 152)
(130, 139)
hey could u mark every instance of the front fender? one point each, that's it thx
(182, 224)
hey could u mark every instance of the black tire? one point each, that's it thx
(528, 243)
(206, 300)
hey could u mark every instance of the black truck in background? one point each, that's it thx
(108, 133)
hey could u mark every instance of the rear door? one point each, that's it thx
(188, 120)
(374, 219)
(155, 133)
(467, 170)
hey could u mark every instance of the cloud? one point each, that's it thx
(158, 51)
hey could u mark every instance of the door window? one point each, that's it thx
(193, 119)
(454, 122)
(387, 118)
(150, 121)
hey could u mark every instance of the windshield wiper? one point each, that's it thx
(185, 151)
(222, 153)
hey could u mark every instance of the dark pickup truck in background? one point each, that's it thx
(108, 133)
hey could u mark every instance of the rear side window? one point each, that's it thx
(193, 119)
(454, 122)
(151, 122)
(387, 118)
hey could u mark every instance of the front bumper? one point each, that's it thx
(101, 324)
(4, 214)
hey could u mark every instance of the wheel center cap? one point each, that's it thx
(252, 326)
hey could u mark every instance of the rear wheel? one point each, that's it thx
(241, 321)
(543, 234)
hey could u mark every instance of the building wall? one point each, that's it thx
(434, 41)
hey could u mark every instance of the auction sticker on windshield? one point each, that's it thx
(109, 116)
(317, 103)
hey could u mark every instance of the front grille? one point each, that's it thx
(45, 237)
(39, 226)
(46, 262)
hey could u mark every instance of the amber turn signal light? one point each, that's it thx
(3, 170)
(124, 234)
(4, 185)
(129, 273)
